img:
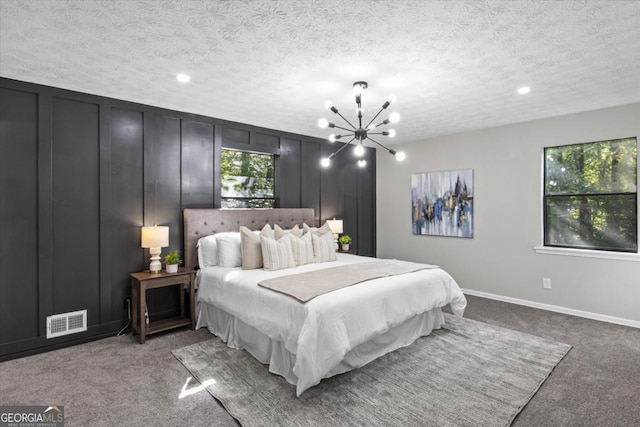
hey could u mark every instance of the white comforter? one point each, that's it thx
(321, 331)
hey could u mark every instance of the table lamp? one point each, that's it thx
(154, 238)
(336, 228)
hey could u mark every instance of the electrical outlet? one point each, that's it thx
(546, 283)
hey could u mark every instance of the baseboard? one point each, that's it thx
(557, 309)
(36, 345)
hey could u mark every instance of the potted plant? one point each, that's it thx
(172, 259)
(344, 240)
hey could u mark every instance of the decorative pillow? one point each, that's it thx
(229, 249)
(207, 251)
(307, 229)
(324, 249)
(302, 248)
(277, 254)
(325, 229)
(250, 245)
(279, 232)
(267, 231)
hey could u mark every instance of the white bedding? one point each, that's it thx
(320, 332)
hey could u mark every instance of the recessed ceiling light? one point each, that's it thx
(524, 90)
(183, 78)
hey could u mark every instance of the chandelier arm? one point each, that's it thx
(381, 145)
(374, 117)
(344, 136)
(343, 147)
(384, 122)
(343, 118)
(340, 127)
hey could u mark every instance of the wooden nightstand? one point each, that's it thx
(350, 251)
(142, 281)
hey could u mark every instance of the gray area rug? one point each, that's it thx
(466, 374)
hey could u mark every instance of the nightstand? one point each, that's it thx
(142, 281)
(350, 251)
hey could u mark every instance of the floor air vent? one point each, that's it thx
(66, 323)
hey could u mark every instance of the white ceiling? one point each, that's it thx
(452, 65)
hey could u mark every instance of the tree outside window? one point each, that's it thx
(590, 196)
(248, 179)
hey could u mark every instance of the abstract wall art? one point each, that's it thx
(442, 203)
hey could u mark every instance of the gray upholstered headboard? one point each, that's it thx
(203, 222)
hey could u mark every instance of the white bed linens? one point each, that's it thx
(320, 332)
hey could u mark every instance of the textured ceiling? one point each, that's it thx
(452, 65)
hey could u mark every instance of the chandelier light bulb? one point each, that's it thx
(392, 133)
(400, 156)
(325, 162)
(332, 137)
(358, 150)
(394, 117)
(362, 163)
(328, 104)
(323, 123)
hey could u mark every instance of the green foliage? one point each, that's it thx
(591, 195)
(246, 174)
(172, 257)
(345, 239)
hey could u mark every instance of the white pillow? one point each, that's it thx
(324, 249)
(229, 249)
(276, 254)
(207, 251)
(302, 248)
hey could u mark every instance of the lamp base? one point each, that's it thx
(155, 266)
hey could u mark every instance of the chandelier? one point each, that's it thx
(360, 133)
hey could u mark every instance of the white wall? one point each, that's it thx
(507, 168)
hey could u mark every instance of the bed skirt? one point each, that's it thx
(239, 335)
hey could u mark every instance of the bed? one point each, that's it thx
(330, 334)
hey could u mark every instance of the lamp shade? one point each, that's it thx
(155, 237)
(335, 225)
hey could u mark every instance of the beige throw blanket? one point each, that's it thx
(306, 286)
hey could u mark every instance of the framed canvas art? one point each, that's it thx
(442, 203)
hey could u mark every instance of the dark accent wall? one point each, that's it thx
(80, 174)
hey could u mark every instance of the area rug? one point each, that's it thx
(467, 374)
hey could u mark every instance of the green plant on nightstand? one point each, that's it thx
(172, 259)
(344, 240)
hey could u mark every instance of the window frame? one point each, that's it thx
(543, 248)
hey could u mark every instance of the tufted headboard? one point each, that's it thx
(203, 222)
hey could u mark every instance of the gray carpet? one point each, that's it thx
(468, 374)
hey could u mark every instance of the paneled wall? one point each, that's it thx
(80, 174)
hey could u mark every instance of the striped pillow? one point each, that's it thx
(324, 249)
(302, 248)
(276, 254)
(279, 232)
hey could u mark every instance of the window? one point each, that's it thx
(590, 196)
(248, 179)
